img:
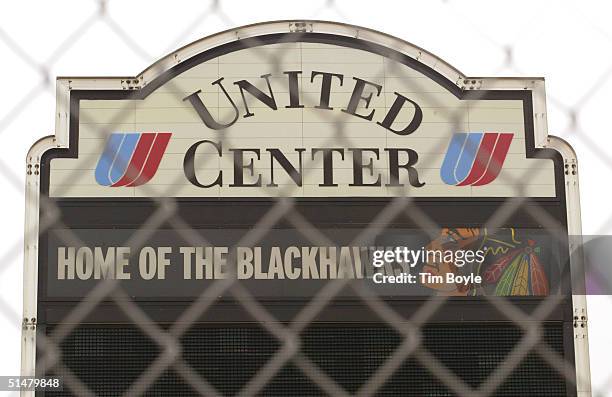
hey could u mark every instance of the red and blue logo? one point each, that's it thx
(131, 159)
(475, 158)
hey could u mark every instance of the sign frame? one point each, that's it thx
(65, 143)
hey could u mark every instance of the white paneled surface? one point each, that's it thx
(306, 128)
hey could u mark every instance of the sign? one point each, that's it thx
(287, 156)
(339, 123)
(306, 116)
(303, 118)
(286, 265)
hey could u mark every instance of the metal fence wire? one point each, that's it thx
(291, 350)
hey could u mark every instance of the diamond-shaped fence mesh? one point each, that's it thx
(307, 349)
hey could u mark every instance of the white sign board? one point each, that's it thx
(303, 119)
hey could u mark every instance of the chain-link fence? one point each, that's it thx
(290, 341)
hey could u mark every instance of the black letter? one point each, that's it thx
(239, 167)
(328, 164)
(325, 87)
(358, 167)
(287, 166)
(294, 90)
(357, 96)
(394, 166)
(395, 109)
(189, 165)
(257, 93)
(203, 112)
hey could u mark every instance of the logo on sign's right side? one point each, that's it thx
(475, 158)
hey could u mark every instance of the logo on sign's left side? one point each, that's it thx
(131, 159)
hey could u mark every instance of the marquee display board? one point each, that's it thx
(340, 120)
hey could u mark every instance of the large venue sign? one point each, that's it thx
(314, 118)
(289, 155)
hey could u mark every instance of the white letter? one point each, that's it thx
(187, 253)
(162, 261)
(244, 262)
(377, 256)
(123, 255)
(65, 263)
(84, 263)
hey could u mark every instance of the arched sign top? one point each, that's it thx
(302, 109)
(252, 32)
